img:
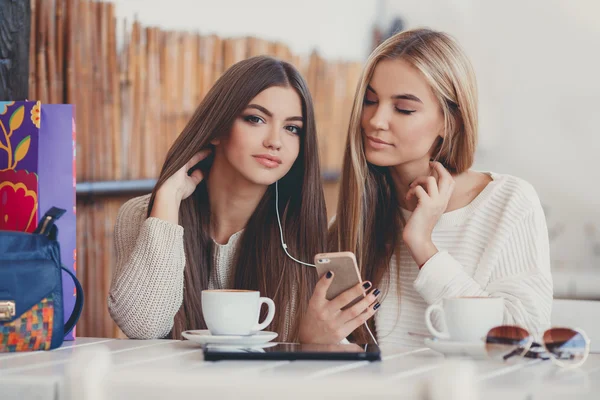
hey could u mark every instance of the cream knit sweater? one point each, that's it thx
(496, 246)
(147, 284)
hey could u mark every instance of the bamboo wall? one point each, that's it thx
(134, 88)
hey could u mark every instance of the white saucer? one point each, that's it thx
(452, 348)
(203, 336)
(245, 348)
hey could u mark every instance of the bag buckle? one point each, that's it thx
(7, 310)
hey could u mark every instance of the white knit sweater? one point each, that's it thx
(496, 246)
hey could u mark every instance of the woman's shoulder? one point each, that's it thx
(134, 210)
(515, 193)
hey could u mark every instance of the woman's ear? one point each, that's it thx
(442, 133)
(215, 142)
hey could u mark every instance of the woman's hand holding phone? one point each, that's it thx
(326, 322)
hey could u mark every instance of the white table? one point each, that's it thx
(130, 369)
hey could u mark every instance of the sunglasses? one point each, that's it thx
(566, 347)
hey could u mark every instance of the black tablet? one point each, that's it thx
(293, 351)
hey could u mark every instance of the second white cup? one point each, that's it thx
(467, 318)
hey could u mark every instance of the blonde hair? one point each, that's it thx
(368, 220)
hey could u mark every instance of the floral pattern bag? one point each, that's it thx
(31, 289)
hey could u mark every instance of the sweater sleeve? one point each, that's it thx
(147, 285)
(521, 276)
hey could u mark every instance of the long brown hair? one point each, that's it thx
(260, 262)
(369, 220)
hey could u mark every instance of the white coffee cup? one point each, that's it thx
(235, 312)
(467, 319)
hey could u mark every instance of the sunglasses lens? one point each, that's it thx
(503, 342)
(567, 345)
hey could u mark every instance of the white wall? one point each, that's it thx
(538, 66)
(337, 28)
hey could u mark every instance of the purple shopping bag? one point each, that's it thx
(37, 172)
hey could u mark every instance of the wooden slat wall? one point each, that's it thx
(132, 102)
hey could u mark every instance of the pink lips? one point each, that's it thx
(377, 143)
(268, 160)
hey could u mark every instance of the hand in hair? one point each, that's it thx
(326, 323)
(180, 183)
(179, 186)
(432, 196)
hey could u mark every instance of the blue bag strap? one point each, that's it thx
(70, 324)
(47, 227)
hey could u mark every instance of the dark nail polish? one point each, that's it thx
(376, 292)
(376, 306)
(329, 275)
(367, 285)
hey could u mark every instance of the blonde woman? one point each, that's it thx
(423, 225)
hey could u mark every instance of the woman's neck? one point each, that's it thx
(403, 175)
(233, 200)
(468, 184)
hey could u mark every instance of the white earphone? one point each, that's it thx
(290, 256)
(281, 229)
